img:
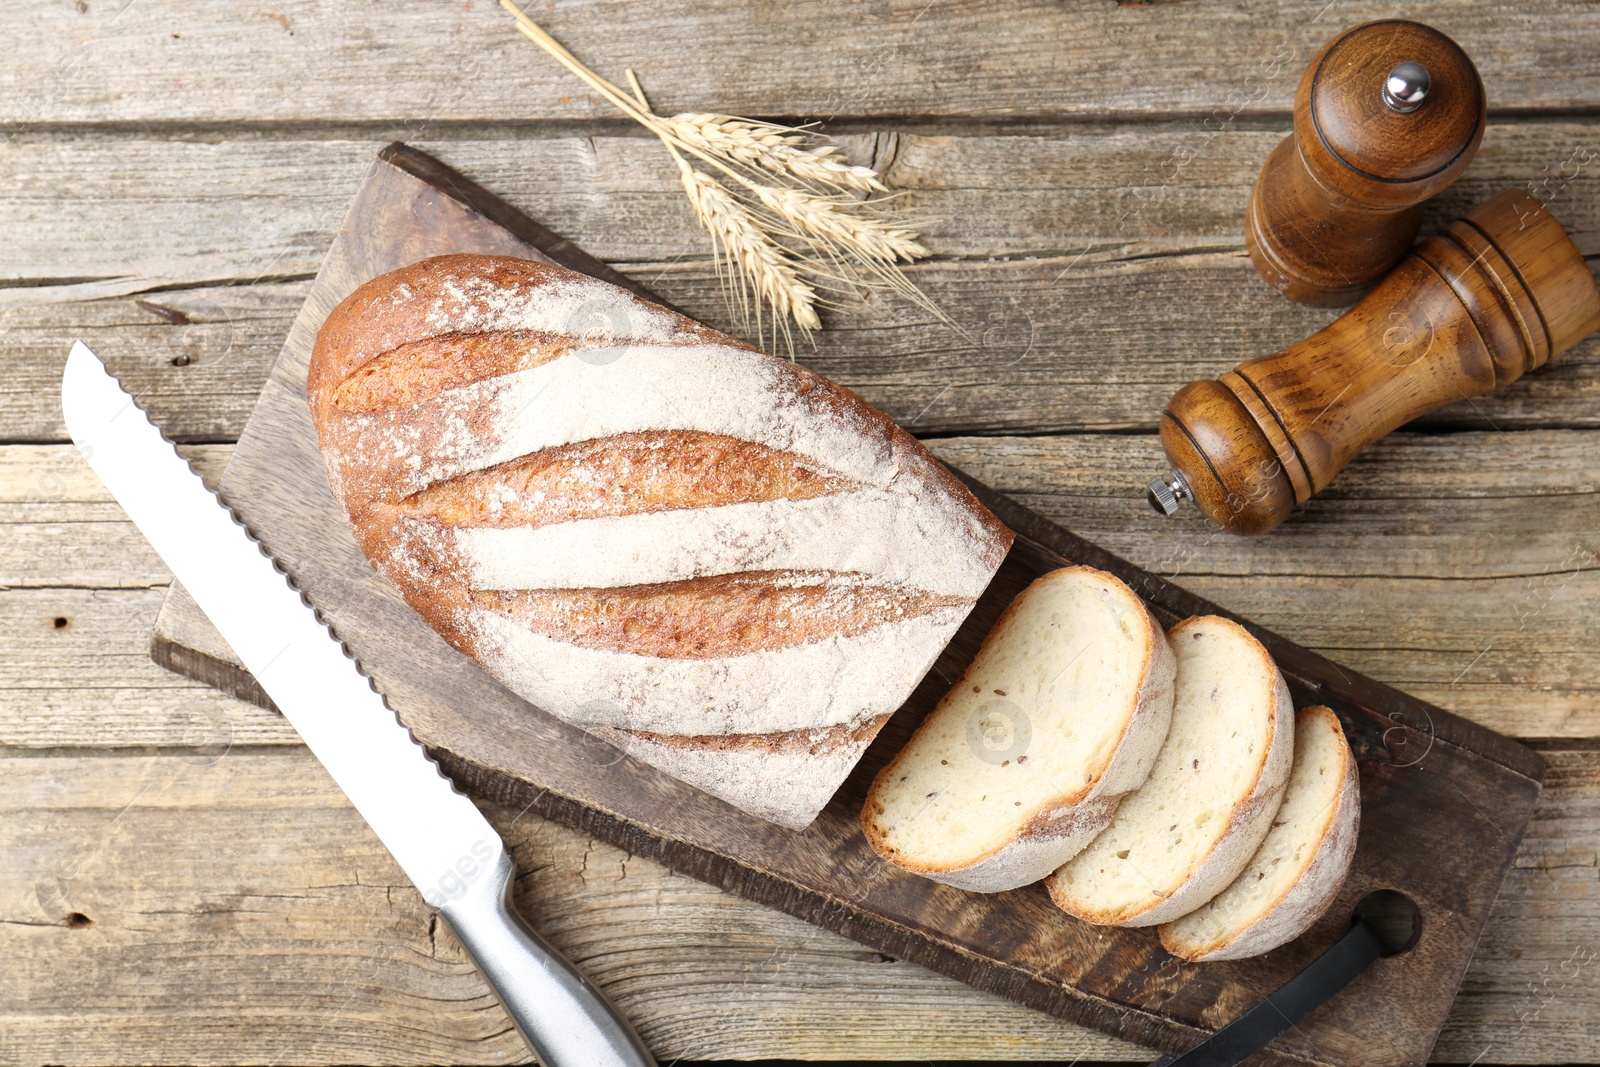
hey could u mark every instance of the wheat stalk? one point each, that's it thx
(842, 224)
(792, 217)
(756, 266)
(765, 267)
(777, 150)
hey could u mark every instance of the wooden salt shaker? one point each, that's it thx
(1387, 115)
(1500, 292)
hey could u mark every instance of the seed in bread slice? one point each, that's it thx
(1298, 869)
(1060, 714)
(1189, 830)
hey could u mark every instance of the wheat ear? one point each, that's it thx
(738, 242)
(824, 215)
(775, 149)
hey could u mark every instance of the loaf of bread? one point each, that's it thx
(1298, 869)
(1062, 711)
(1192, 827)
(724, 563)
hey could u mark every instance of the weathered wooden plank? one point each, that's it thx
(189, 212)
(1461, 568)
(75, 669)
(1100, 346)
(1554, 883)
(79, 592)
(59, 525)
(302, 62)
(1430, 507)
(1458, 648)
(235, 909)
(1136, 285)
(197, 361)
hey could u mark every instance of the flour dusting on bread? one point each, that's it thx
(733, 567)
(541, 302)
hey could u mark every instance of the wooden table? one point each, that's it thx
(182, 882)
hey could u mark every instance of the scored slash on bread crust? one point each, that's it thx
(1209, 801)
(1078, 678)
(1297, 871)
(773, 774)
(725, 563)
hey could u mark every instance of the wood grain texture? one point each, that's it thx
(199, 156)
(1014, 944)
(1138, 283)
(1459, 568)
(239, 63)
(189, 211)
(310, 947)
(1056, 356)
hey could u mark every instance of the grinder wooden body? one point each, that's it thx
(1340, 200)
(1498, 293)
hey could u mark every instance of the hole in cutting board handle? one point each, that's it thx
(1393, 916)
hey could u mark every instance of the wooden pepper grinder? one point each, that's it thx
(1498, 293)
(1387, 115)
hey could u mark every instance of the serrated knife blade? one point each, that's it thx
(443, 843)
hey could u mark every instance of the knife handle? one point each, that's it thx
(565, 1020)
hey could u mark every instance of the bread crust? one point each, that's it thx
(1250, 820)
(410, 385)
(775, 776)
(1304, 901)
(1063, 825)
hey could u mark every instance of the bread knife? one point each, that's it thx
(443, 843)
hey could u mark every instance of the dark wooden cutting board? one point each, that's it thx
(1445, 802)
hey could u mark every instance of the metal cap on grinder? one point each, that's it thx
(1387, 115)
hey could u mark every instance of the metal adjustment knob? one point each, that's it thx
(1406, 87)
(1167, 492)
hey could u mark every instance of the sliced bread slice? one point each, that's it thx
(1298, 869)
(1180, 838)
(1022, 763)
